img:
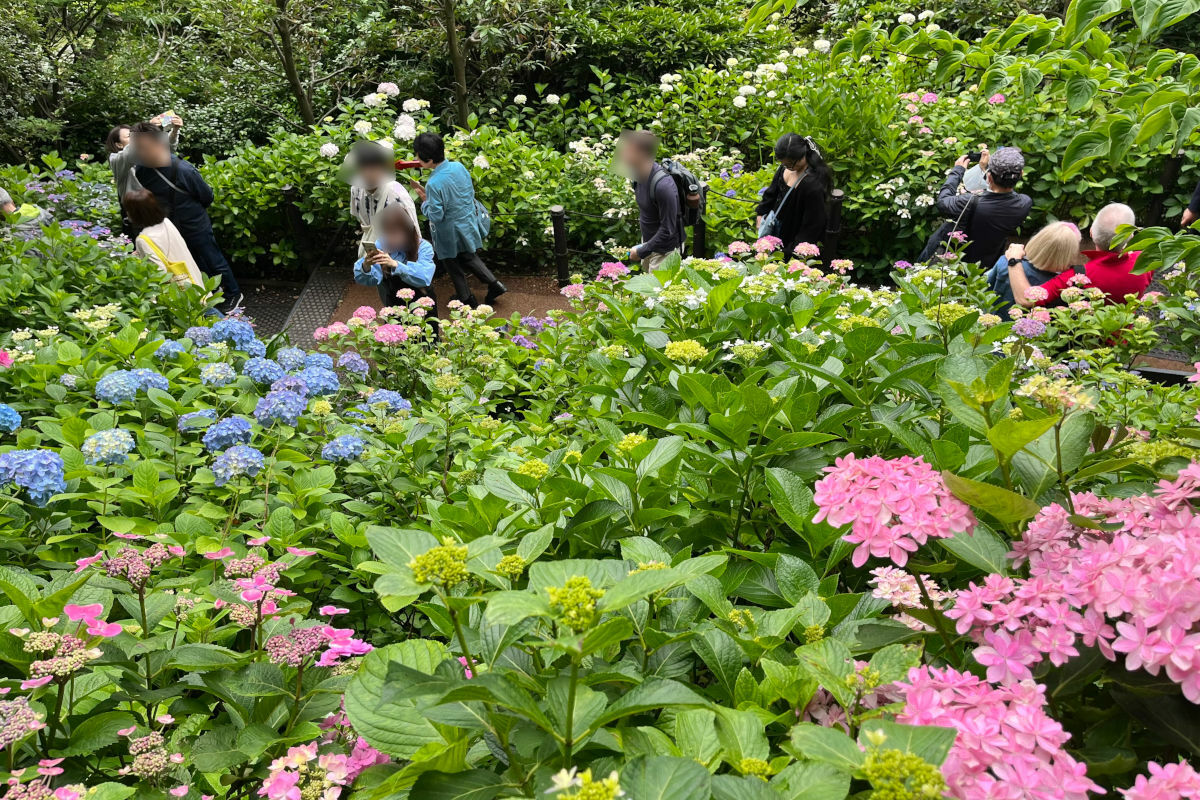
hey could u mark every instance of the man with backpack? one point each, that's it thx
(660, 210)
(185, 197)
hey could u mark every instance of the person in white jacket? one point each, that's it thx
(373, 187)
(160, 240)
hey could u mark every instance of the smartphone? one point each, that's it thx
(369, 248)
(973, 158)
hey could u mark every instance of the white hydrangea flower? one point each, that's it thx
(906, 19)
(739, 101)
(481, 162)
(926, 14)
(412, 105)
(800, 52)
(374, 100)
(747, 91)
(388, 88)
(520, 99)
(822, 45)
(406, 128)
(362, 127)
(665, 87)
(329, 150)
(731, 62)
(552, 99)
(932, 27)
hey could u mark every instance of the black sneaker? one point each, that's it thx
(494, 291)
(229, 306)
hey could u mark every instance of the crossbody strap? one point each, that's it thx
(169, 182)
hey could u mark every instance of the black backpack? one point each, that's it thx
(693, 192)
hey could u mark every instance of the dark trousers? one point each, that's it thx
(458, 268)
(211, 260)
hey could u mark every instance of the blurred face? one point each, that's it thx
(8, 208)
(123, 137)
(794, 164)
(396, 234)
(373, 176)
(151, 150)
(631, 160)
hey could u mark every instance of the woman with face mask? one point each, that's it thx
(793, 207)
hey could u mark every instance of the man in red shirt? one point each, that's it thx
(1110, 271)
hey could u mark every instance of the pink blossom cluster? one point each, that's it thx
(1165, 782)
(841, 266)
(255, 579)
(17, 720)
(1132, 589)
(901, 590)
(334, 329)
(806, 250)
(573, 291)
(39, 787)
(290, 777)
(825, 710)
(391, 333)
(768, 244)
(135, 566)
(739, 248)
(362, 755)
(298, 645)
(1103, 588)
(150, 757)
(364, 313)
(612, 271)
(1007, 748)
(893, 506)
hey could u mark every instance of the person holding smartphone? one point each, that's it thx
(399, 259)
(373, 187)
(122, 160)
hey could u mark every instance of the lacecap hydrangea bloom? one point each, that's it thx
(262, 370)
(235, 462)
(343, 448)
(226, 433)
(38, 472)
(893, 506)
(108, 447)
(291, 358)
(280, 405)
(10, 420)
(319, 380)
(217, 374)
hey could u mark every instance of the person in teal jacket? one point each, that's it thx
(402, 259)
(448, 202)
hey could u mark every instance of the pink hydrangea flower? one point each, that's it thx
(572, 291)
(6, 359)
(1036, 294)
(997, 99)
(768, 244)
(390, 334)
(365, 313)
(739, 248)
(806, 250)
(612, 271)
(892, 507)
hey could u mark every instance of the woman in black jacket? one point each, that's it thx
(797, 193)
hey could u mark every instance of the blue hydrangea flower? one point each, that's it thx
(262, 370)
(319, 380)
(169, 349)
(318, 360)
(343, 448)
(68, 380)
(10, 420)
(108, 447)
(189, 421)
(217, 374)
(290, 383)
(118, 386)
(237, 331)
(226, 433)
(149, 379)
(199, 334)
(280, 405)
(236, 462)
(292, 358)
(38, 472)
(354, 363)
(255, 347)
(393, 400)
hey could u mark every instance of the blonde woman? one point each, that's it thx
(1053, 249)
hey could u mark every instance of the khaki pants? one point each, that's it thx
(654, 261)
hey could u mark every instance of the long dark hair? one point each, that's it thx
(112, 142)
(794, 147)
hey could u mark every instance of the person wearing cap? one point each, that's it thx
(373, 187)
(1109, 269)
(995, 214)
(1052, 251)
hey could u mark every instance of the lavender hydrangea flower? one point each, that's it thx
(108, 447)
(1028, 328)
(227, 433)
(235, 462)
(280, 405)
(394, 401)
(524, 341)
(38, 472)
(343, 448)
(262, 370)
(199, 334)
(353, 363)
(290, 383)
(10, 420)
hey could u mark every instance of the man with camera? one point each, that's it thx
(989, 218)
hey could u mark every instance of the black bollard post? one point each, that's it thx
(297, 227)
(700, 239)
(558, 221)
(833, 226)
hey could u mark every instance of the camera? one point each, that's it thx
(974, 158)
